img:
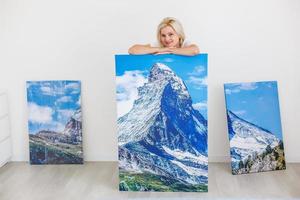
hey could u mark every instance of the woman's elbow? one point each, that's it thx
(131, 50)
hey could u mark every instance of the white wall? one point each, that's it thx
(247, 40)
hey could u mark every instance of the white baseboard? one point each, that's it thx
(292, 159)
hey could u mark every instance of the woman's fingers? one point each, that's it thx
(165, 52)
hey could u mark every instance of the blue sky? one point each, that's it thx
(51, 104)
(132, 72)
(255, 102)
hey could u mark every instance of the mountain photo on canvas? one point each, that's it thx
(162, 123)
(54, 122)
(254, 127)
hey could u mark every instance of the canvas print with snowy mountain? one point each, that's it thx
(54, 122)
(254, 127)
(162, 122)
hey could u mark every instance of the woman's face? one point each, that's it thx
(169, 37)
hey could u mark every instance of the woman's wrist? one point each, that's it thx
(172, 50)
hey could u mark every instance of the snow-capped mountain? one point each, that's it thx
(73, 127)
(71, 134)
(162, 133)
(247, 139)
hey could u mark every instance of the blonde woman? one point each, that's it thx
(171, 40)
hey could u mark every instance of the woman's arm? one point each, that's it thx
(139, 49)
(190, 50)
(144, 49)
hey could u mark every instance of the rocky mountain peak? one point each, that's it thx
(77, 115)
(160, 71)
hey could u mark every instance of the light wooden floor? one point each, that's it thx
(99, 180)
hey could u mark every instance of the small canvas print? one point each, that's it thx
(254, 127)
(54, 122)
(162, 123)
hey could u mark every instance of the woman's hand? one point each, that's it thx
(164, 50)
(185, 51)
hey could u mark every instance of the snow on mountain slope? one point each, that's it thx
(247, 138)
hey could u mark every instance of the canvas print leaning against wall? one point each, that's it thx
(55, 128)
(254, 127)
(162, 123)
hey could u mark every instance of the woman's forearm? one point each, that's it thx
(142, 49)
(147, 49)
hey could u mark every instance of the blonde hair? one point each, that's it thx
(175, 24)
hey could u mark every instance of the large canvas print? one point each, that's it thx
(162, 122)
(254, 127)
(55, 128)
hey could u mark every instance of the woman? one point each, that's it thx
(171, 40)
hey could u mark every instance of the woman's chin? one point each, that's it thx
(170, 46)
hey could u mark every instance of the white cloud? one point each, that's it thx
(64, 99)
(51, 91)
(194, 78)
(230, 91)
(39, 114)
(59, 127)
(237, 87)
(197, 82)
(64, 114)
(198, 70)
(248, 86)
(127, 85)
(227, 91)
(74, 87)
(239, 112)
(200, 105)
(169, 60)
(46, 89)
